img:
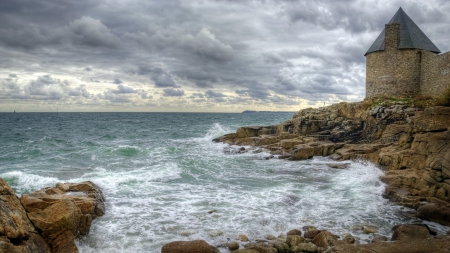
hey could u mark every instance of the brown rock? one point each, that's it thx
(247, 251)
(293, 240)
(311, 233)
(435, 213)
(233, 246)
(324, 239)
(17, 233)
(294, 232)
(197, 246)
(408, 232)
(380, 238)
(67, 212)
(243, 238)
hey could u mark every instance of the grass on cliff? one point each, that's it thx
(444, 99)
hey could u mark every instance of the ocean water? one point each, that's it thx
(164, 179)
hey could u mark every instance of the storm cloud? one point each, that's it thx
(194, 55)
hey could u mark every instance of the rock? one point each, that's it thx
(233, 246)
(324, 239)
(64, 214)
(243, 238)
(380, 238)
(17, 233)
(339, 165)
(294, 232)
(247, 251)
(293, 240)
(197, 246)
(270, 237)
(370, 230)
(408, 232)
(435, 213)
(304, 247)
(212, 211)
(282, 247)
(311, 233)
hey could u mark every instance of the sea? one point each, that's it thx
(164, 179)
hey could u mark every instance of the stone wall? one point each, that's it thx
(393, 72)
(435, 73)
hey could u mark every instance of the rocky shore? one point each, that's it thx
(48, 220)
(406, 238)
(410, 143)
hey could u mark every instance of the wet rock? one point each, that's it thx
(435, 212)
(324, 239)
(380, 238)
(304, 247)
(293, 240)
(339, 165)
(233, 246)
(270, 237)
(247, 251)
(311, 233)
(282, 247)
(294, 232)
(370, 230)
(197, 246)
(243, 238)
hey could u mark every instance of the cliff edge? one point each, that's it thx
(410, 143)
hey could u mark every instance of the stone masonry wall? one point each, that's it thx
(435, 73)
(393, 72)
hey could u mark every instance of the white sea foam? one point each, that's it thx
(23, 182)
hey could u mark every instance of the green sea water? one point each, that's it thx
(161, 175)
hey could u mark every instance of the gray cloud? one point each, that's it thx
(122, 89)
(254, 52)
(92, 32)
(173, 92)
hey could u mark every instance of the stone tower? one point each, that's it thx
(394, 61)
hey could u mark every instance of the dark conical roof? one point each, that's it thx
(410, 35)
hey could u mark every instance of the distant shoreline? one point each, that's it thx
(251, 111)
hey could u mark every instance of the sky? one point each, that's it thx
(194, 56)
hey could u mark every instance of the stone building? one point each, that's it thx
(403, 62)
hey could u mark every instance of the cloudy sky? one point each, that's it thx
(198, 56)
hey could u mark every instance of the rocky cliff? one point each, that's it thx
(411, 143)
(47, 220)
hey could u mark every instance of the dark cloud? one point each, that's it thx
(212, 94)
(117, 81)
(93, 32)
(173, 92)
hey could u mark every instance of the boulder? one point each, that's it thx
(17, 233)
(233, 246)
(293, 240)
(64, 212)
(410, 232)
(304, 247)
(324, 239)
(197, 246)
(435, 213)
(294, 232)
(311, 233)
